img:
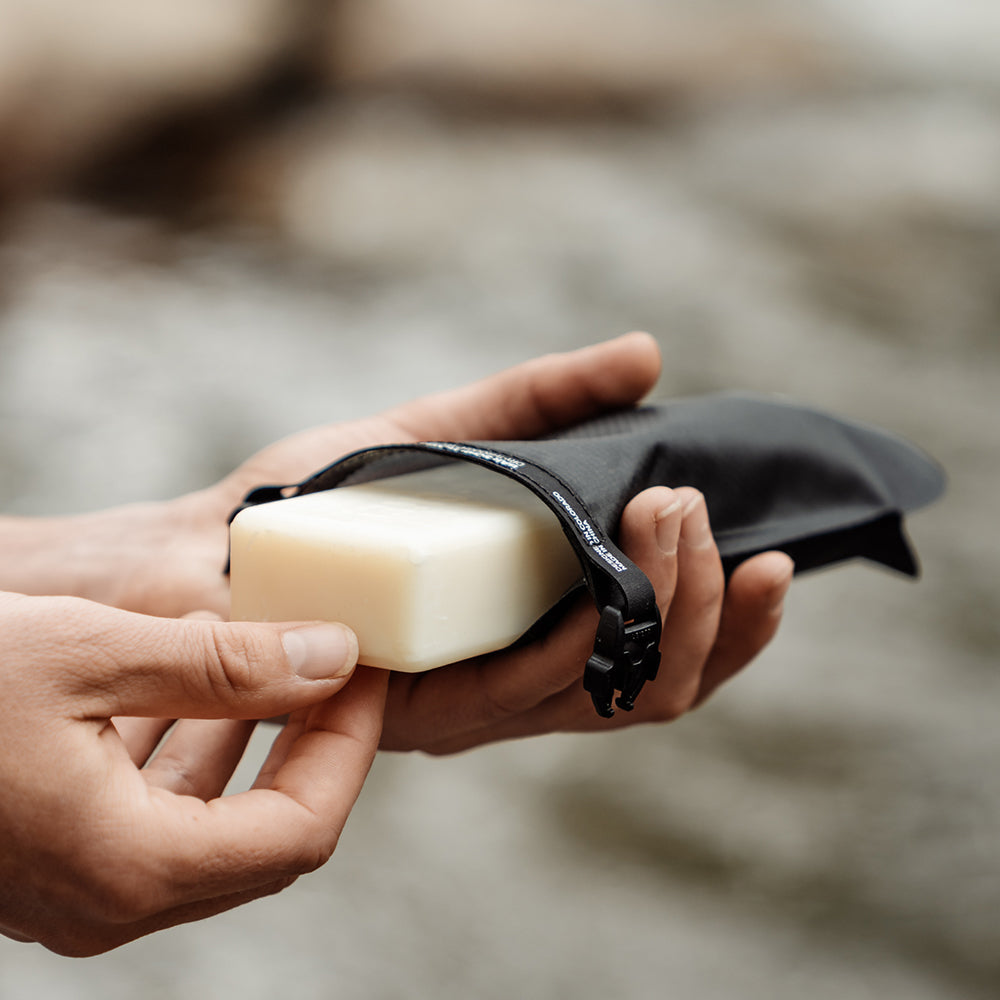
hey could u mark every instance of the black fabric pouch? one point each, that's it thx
(775, 476)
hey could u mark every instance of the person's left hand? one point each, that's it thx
(166, 559)
(105, 836)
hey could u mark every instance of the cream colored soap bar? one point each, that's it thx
(427, 568)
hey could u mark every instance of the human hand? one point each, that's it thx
(710, 632)
(172, 554)
(167, 558)
(97, 849)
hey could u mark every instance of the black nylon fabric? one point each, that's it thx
(775, 476)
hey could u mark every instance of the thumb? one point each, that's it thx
(122, 663)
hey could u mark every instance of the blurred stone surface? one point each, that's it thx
(75, 77)
(571, 54)
(827, 827)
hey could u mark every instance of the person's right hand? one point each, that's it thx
(97, 849)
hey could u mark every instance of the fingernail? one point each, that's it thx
(667, 528)
(320, 651)
(781, 586)
(695, 529)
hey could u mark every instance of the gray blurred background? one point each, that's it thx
(224, 222)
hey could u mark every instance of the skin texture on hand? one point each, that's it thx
(97, 851)
(165, 559)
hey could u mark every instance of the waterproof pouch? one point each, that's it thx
(775, 476)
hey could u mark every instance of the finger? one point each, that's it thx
(692, 620)
(141, 736)
(106, 662)
(667, 534)
(300, 816)
(82, 939)
(490, 691)
(515, 692)
(751, 615)
(179, 850)
(281, 746)
(650, 535)
(540, 395)
(199, 756)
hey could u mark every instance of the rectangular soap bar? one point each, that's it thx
(427, 568)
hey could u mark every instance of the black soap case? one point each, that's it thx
(775, 476)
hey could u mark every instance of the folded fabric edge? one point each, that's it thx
(880, 540)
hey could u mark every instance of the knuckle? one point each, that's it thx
(674, 702)
(539, 375)
(233, 660)
(496, 708)
(174, 772)
(313, 859)
(315, 848)
(669, 709)
(496, 698)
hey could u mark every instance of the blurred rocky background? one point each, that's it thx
(222, 222)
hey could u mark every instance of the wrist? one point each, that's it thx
(162, 558)
(30, 560)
